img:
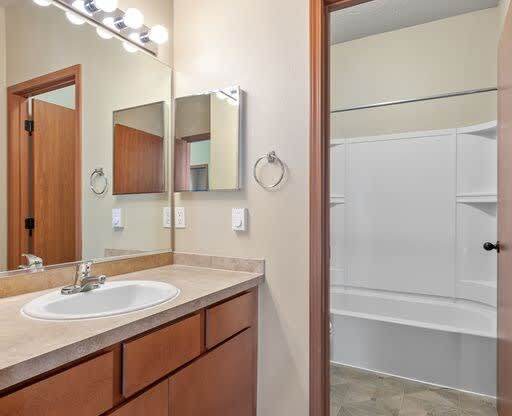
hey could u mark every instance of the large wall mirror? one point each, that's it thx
(84, 159)
(207, 141)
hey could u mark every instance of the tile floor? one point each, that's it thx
(356, 392)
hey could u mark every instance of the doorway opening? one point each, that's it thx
(409, 159)
(44, 168)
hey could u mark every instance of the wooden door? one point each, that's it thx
(138, 161)
(505, 220)
(54, 163)
(221, 383)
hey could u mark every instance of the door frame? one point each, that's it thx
(18, 152)
(319, 221)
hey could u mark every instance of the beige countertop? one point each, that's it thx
(32, 347)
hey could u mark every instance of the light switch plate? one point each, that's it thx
(179, 217)
(239, 219)
(167, 217)
(117, 218)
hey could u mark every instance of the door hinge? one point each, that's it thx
(30, 224)
(29, 127)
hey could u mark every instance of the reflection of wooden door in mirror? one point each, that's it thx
(138, 161)
(54, 182)
(44, 168)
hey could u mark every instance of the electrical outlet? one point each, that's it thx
(167, 217)
(239, 219)
(179, 217)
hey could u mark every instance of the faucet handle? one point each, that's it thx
(33, 261)
(84, 269)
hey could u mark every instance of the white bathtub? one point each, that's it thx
(444, 342)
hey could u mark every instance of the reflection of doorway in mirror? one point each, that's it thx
(44, 159)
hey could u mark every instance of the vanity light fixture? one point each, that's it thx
(132, 18)
(129, 47)
(110, 23)
(158, 34)
(136, 37)
(43, 3)
(74, 17)
(108, 6)
(104, 33)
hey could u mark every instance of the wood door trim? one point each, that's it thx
(319, 222)
(17, 95)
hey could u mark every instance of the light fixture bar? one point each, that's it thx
(96, 19)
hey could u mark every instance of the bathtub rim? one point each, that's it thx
(409, 298)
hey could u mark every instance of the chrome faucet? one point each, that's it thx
(33, 262)
(84, 282)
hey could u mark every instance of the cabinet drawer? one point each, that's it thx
(229, 318)
(154, 402)
(151, 357)
(84, 390)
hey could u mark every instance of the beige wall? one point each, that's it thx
(263, 47)
(224, 149)
(454, 54)
(112, 79)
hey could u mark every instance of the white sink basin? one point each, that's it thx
(113, 298)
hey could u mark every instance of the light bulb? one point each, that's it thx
(159, 34)
(75, 19)
(107, 6)
(104, 33)
(128, 47)
(133, 18)
(79, 5)
(43, 3)
(134, 36)
(110, 23)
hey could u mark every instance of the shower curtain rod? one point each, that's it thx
(415, 100)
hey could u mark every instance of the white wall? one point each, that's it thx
(112, 79)
(454, 54)
(263, 47)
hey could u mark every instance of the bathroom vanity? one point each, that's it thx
(196, 354)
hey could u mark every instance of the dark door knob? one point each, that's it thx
(490, 246)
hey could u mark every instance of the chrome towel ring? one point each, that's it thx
(98, 173)
(271, 158)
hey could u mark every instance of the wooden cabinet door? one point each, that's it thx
(221, 383)
(154, 402)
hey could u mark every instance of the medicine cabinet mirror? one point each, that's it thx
(207, 141)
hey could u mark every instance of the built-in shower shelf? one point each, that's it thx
(477, 199)
(488, 130)
(337, 142)
(337, 199)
